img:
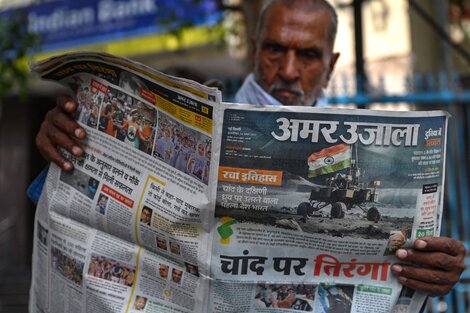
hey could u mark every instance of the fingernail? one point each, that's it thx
(402, 279)
(401, 253)
(69, 106)
(76, 150)
(420, 244)
(79, 133)
(68, 166)
(397, 268)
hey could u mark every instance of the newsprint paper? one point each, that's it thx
(183, 203)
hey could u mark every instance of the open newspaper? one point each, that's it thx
(183, 203)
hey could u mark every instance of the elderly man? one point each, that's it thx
(163, 271)
(395, 242)
(293, 54)
(293, 61)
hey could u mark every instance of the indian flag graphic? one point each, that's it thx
(329, 160)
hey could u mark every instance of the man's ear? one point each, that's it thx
(331, 67)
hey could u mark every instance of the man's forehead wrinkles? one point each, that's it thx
(299, 39)
(291, 44)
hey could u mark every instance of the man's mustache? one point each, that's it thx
(294, 88)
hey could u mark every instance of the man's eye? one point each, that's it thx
(274, 48)
(309, 53)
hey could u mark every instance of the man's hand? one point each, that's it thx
(437, 265)
(59, 129)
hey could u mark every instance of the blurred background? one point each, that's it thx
(395, 55)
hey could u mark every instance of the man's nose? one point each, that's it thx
(288, 69)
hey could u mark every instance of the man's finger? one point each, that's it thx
(63, 140)
(441, 244)
(65, 123)
(50, 153)
(431, 259)
(66, 103)
(425, 275)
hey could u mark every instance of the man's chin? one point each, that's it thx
(290, 101)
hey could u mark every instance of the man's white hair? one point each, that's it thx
(305, 5)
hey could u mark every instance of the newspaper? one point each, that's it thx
(183, 203)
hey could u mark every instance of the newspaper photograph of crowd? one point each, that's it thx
(67, 266)
(324, 298)
(111, 270)
(130, 120)
(183, 148)
(297, 297)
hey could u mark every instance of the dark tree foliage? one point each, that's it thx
(16, 41)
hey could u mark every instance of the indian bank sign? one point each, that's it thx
(65, 23)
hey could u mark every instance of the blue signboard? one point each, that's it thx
(65, 23)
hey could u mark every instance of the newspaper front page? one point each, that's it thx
(182, 203)
(312, 204)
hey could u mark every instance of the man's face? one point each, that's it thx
(145, 217)
(209, 152)
(191, 268)
(176, 275)
(163, 271)
(140, 303)
(293, 55)
(200, 149)
(396, 241)
(102, 201)
(174, 248)
(161, 243)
